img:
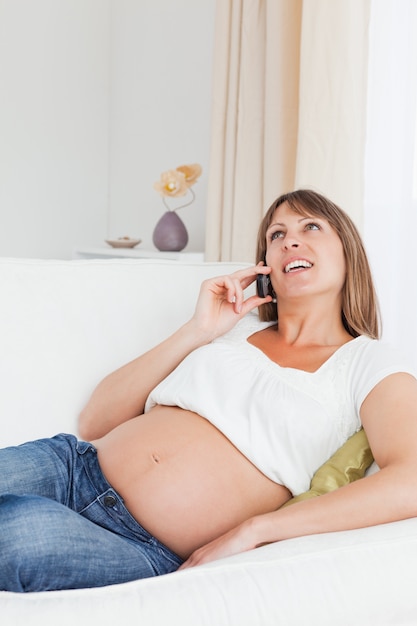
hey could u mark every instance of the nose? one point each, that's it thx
(290, 242)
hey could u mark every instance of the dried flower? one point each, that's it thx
(172, 184)
(191, 172)
(176, 183)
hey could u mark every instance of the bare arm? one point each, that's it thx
(122, 394)
(389, 416)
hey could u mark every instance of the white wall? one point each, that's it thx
(53, 124)
(97, 97)
(161, 59)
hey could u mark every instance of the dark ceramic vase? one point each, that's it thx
(170, 234)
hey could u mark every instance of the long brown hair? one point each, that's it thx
(360, 310)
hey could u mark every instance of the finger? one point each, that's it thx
(232, 290)
(238, 295)
(254, 272)
(254, 301)
(242, 282)
(232, 286)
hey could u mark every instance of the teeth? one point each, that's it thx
(295, 264)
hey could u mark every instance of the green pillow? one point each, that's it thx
(346, 465)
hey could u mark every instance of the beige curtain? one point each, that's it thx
(289, 84)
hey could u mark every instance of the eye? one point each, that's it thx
(312, 226)
(276, 234)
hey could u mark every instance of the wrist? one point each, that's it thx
(261, 530)
(197, 335)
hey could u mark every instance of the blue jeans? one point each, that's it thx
(62, 526)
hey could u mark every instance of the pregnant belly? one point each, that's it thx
(181, 479)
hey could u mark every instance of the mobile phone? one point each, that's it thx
(263, 285)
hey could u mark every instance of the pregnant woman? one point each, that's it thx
(188, 452)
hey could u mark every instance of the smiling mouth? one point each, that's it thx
(300, 264)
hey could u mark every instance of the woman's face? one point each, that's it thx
(306, 255)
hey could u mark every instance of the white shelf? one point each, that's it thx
(107, 252)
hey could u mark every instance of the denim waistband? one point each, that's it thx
(92, 467)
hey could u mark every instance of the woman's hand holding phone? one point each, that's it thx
(221, 302)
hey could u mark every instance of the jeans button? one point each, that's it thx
(109, 500)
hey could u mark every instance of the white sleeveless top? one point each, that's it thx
(287, 422)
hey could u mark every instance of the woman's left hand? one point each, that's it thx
(239, 539)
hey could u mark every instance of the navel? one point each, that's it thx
(155, 457)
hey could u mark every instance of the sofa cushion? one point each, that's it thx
(346, 465)
(64, 325)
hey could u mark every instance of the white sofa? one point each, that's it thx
(64, 325)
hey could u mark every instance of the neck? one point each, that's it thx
(312, 325)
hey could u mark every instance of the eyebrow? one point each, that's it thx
(309, 217)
